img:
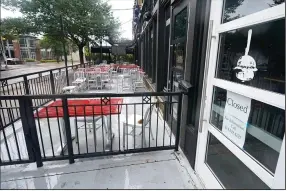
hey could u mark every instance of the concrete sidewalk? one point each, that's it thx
(153, 170)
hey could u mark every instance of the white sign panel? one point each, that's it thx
(236, 114)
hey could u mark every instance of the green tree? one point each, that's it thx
(83, 20)
(11, 28)
(49, 42)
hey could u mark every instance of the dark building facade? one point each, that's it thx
(203, 47)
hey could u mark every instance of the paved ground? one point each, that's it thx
(30, 68)
(154, 170)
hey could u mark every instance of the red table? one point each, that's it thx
(82, 107)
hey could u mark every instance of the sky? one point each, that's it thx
(125, 16)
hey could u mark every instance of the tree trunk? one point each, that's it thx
(81, 54)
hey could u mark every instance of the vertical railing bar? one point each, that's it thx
(164, 122)
(59, 128)
(3, 113)
(68, 130)
(45, 88)
(17, 110)
(6, 105)
(127, 128)
(52, 83)
(149, 121)
(157, 108)
(41, 86)
(111, 125)
(31, 91)
(6, 144)
(49, 128)
(77, 130)
(49, 84)
(94, 129)
(22, 88)
(14, 132)
(171, 123)
(18, 89)
(26, 85)
(11, 105)
(178, 122)
(27, 123)
(119, 128)
(36, 101)
(142, 125)
(134, 126)
(40, 131)
(101, 100)
(14, 103)
(85, 120)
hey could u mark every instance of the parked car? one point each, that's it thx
(13, 61)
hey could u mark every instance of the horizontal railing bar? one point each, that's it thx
(90, 105)
(107, 153)
(55, 158)
(89, 95)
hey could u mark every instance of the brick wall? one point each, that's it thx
(16, 46)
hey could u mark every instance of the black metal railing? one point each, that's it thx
(107, 124)
(45, 82)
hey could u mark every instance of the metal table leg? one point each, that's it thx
(64, 138)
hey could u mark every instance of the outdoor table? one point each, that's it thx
(82, 107)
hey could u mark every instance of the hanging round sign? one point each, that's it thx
(246, 65)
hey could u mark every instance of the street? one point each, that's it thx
(15, 70)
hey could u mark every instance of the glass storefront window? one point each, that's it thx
(23, 42)
(231, 172)
(180, 24)
(24, 54)
(265, 128)
(234, 9)
(266, 67)
(179, 56)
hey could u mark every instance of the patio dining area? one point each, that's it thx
(120, 125)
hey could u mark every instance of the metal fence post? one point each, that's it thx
(52, 82)
(30, 132)
(68, 131)
(178, 122)
(26, 85)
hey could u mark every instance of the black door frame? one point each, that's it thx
(197, 29)
(176, 8)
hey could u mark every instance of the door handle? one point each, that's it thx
(201, 115)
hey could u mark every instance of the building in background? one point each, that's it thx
(25, 47)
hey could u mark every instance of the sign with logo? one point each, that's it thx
(236, 114)
(246, 65)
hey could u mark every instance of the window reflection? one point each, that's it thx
(234, 9)
(267, 47)
(265, 130)
(180, 24)
(179, 55)
(231, 171)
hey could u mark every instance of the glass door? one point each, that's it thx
(178, 49)
(241, 143)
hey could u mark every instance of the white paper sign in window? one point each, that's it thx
(236, 114)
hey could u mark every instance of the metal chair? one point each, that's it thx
(138, 83)
(135, 121)
(79, 79)
(106, 78)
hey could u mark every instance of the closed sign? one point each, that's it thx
(236, 114)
